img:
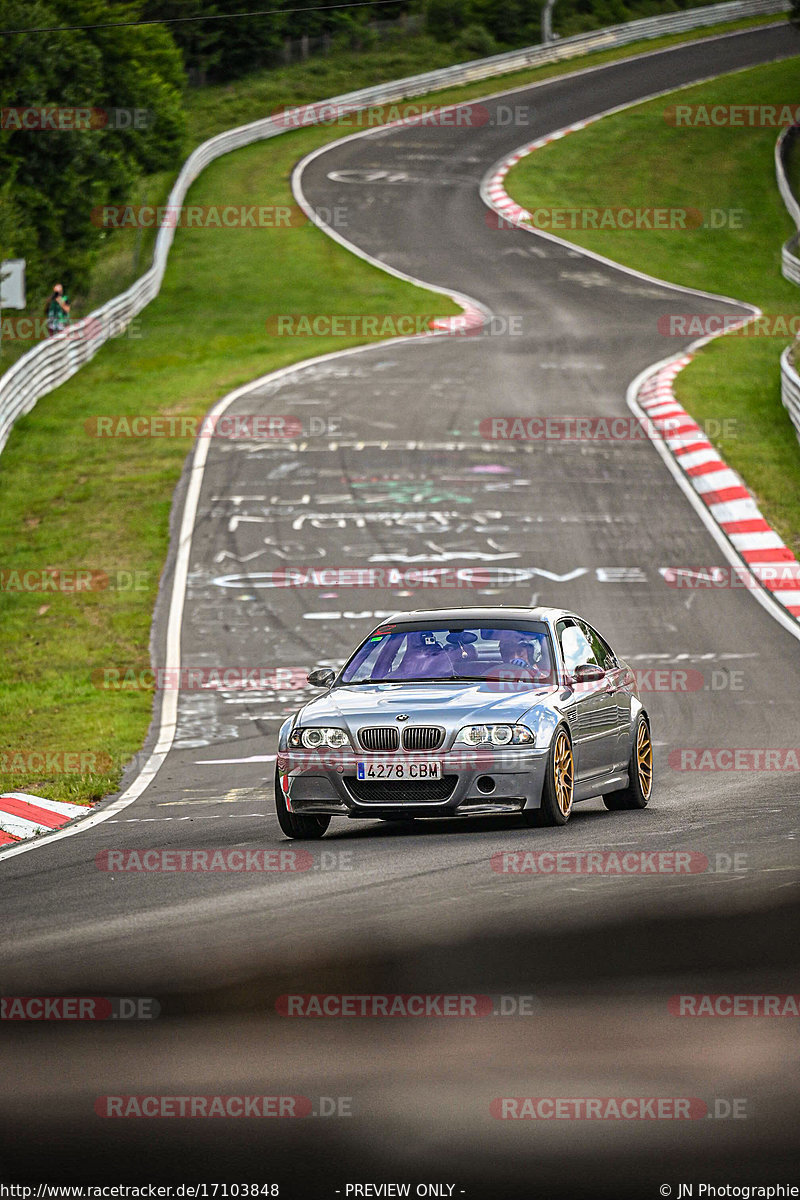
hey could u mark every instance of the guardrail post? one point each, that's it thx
(547, 22)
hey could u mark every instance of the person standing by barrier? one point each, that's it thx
(58, 307)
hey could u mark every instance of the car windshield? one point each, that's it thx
(507, 651)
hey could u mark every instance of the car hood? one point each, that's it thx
(449, 704)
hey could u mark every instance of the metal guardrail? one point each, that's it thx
(47, 366)
(790, 389)
(790, 259)
(790, 262)
(790, 267)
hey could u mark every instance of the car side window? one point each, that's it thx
(575, 646)
(603, 654)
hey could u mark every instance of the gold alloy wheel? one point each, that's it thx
(563, 772)
(644, 759)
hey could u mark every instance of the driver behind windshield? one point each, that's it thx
(520, 650)
(512, 648)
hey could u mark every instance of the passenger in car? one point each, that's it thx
(424, 657)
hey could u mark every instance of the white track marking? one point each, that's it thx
(209, 762)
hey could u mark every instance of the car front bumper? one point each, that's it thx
(477, 782)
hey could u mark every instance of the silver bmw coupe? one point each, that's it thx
(467, 711)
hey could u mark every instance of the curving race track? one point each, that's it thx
(405, 479)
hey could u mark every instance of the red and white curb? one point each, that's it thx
(466, 323)
(23, 816)
(766, 558)
(767, 562)
(494, 190)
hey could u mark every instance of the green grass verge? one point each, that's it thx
(70, 500)
(734, 379)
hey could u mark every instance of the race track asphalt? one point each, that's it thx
(393, 470)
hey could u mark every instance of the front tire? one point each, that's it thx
(640, 772)
(559, 784)
(296, 825)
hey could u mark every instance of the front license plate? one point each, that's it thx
(394, 770)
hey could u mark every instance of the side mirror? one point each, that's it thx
(588, 673)
(321, 677)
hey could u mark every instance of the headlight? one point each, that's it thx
(318, 736)
(496, 735)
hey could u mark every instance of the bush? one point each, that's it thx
(476, 42)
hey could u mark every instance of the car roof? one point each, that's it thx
(496, 612)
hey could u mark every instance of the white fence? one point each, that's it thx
(790, 266)
(53, 362)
